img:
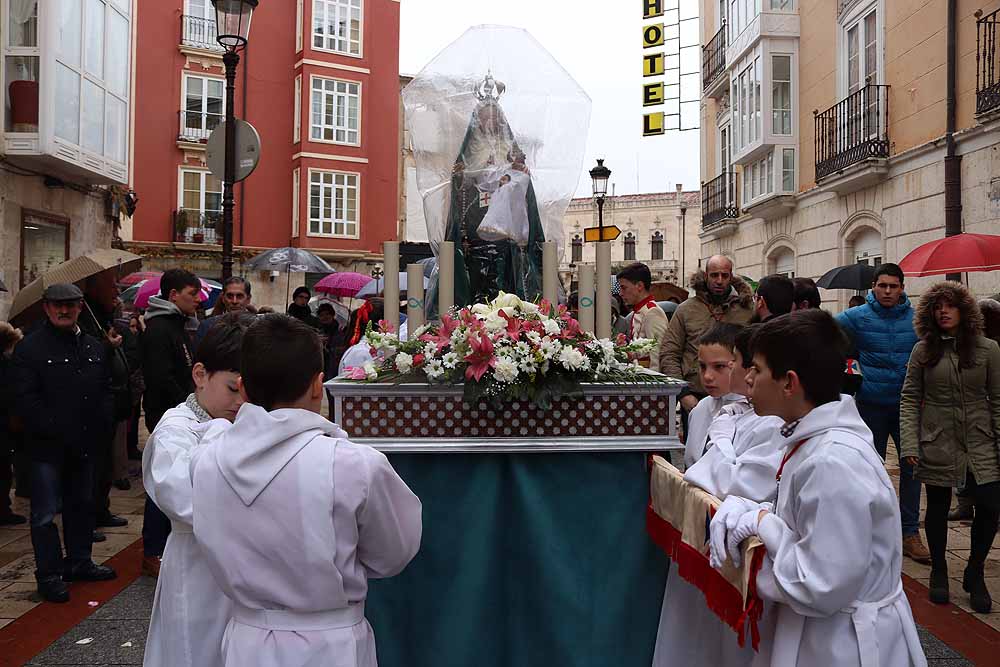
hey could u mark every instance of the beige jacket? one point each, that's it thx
(679, 351)
(650, 322)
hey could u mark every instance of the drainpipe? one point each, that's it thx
(952, 162)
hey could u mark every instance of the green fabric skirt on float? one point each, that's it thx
(526, 559)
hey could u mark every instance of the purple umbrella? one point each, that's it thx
(346, 284)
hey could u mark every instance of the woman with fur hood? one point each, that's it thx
(950, 421)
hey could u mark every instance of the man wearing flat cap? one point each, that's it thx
(65, 402)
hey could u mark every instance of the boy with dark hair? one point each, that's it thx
(190, 611)
(775, 296)
(806, 294)
(292, 517)
(166, 367)
(715, 364)
(834, 553)
(648, 319)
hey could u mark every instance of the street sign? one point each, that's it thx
(247, 150)
(591, 234)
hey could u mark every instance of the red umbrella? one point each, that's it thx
(138, 277)
(954, 254)
(346, 284)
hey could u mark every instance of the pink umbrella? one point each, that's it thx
(152, 288)
(342, 284)
(138, 277)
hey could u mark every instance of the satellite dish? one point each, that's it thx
(247, 150)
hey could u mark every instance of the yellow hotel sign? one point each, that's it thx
(652, 8)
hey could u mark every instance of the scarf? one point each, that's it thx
(199, 412)
(361, 322)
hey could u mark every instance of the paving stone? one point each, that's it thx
(133, 603)
(17, 599)
(22, 569)
(105, 649)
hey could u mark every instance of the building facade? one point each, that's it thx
(64, 157)
(825, 130)
(658, 229)
(319, 81)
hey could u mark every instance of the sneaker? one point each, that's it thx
(10, 519)
(913, 548)
(151, 566)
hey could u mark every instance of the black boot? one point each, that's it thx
(52, 589)
(88, 571)
(938, 586)
(975, 585)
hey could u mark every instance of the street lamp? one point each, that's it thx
(232, 25)
(600, 175)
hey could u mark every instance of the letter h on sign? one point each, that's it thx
(652, 8)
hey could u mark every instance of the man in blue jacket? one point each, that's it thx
(882, 331)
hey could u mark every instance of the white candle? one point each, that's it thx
(585, 297)
(550, 273)
(390, 250)
(414, 297)
(446, 277)
(602, 291)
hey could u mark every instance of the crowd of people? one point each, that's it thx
(239, 463)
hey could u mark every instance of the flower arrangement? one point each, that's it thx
(508, 349)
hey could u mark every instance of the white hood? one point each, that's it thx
(260, 443)
(840, 416)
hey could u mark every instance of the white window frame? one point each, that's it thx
(299, 13)
(296, 185)
(312, 126)
(333, 221)
(297, 106)
(333, 4)
(775, 6)
(185, 77)
(209, 10)
(780, 171)
(791, 99)
(853, 18)
(201, 198)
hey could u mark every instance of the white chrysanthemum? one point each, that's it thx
(449, 360)
(534, 337)
(523, 349)
(573, 359)
(434, 369)
(505, 369)
(430, 349)
(551, 326)
(550, 348)
(404, 362)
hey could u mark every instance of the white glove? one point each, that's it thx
(746, 525)
(722, 432)
(733, 506)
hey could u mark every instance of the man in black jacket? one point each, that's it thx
(64, 400)
(166, 365)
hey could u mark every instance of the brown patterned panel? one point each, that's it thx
(449, 417)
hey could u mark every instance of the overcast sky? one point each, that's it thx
(602, 49)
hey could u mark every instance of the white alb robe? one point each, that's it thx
(294, 519)
(698, 422)
(834, 552)
(742, 459)
(190, 611)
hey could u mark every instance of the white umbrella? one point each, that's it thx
(378, 286)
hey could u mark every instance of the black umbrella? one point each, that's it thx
(292, 260)
(856, 277)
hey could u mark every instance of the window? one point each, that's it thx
(656, 246)
(788, 170)
(758, 179)
(335, 111)
(747, 108)
(23, 23)
(337, 26)
(44, 244)
(204, 105)
(784, 263)
(297, 106)
(862, 52)
(781, 94)
(333, 204)
(868, 247)
(724, 159)
(741, 14)
(21, 67)
(201, 204)
(298, 25)
(199, 24)
(577, 249)
(781, 5)
(630, 247)
(295, 203)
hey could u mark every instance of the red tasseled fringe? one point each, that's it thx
(724, 599)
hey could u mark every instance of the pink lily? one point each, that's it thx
(385, 326)
(514, 326)
(356, 373)
(481, 359)
(442, 336)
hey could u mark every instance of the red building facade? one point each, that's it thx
(319, 81)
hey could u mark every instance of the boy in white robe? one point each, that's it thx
(742, 459)
(834, 552)
(293, 518)
(715, 363)
(190, 612)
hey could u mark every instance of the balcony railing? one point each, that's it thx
(713, 57)
(719, 200)
(199, 33)
(853, 130)
(194, 226)
(196, 126)
(987, 72)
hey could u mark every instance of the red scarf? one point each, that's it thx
(360, 322)
(648, 302)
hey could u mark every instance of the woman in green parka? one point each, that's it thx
(950, 421)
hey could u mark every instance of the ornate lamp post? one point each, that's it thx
(602, 292)
(232, 23)
(600, 175)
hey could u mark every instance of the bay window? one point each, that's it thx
(333, 204)
(773, 174)
(337, 26)
(746, 109)
(336, 107)
(781, 94)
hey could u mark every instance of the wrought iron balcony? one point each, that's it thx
(713, 57)
(196, 126)
(199, 33)
(987, 74)
(853, 130)
(194, 226)
(719, 200)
